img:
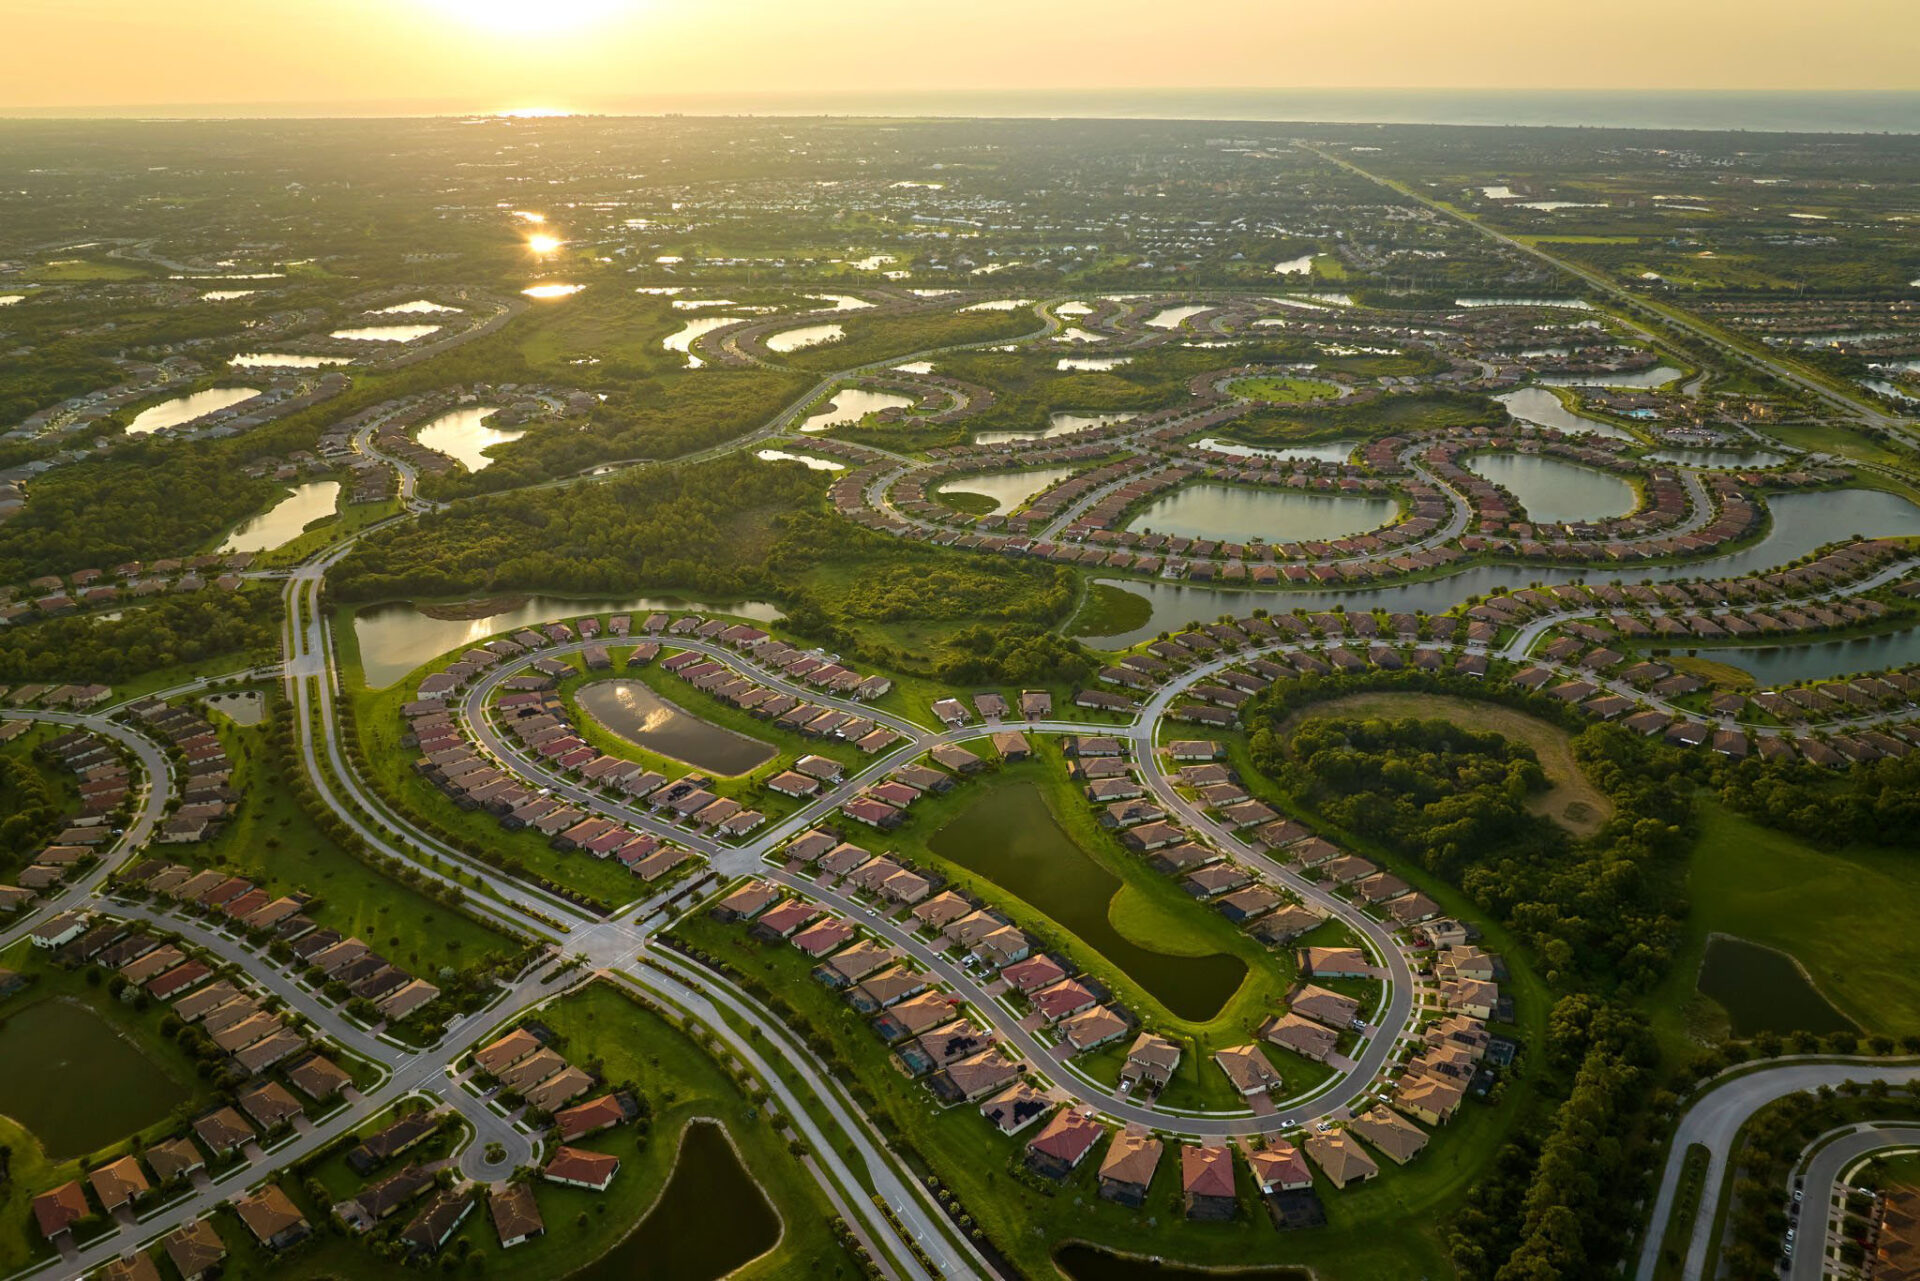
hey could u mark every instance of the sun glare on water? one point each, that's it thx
(543, 244)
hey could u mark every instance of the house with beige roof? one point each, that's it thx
(1341, 1158)
(1126, 1172)
(1389, 1132)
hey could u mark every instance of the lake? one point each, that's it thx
(284, 360)
(184, 409)
(1645, 379)
(1008, 489)
(682, 339)
(806, 336)
(1174, 317)
(464, 436)
(1090, 364)
(418, 307)
(839, 302)
(284, 521)
(632, 710)
(1542, 408)
(1776, 665)
(1765, 991)
(1725, 459)
(1331, 451)
(90, 1086)
(396, 638)
(806, 460)
(1090, 1263)
(711, 1219)
(1009, 836)
(1060, 423)
(552, 291)
(1301, 266)
(1553, 489)
(1238, 513)
(386, 333)
(850, 404)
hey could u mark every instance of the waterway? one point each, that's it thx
(1062, 422)
(1553, 489)
(463, 435)
(806, 336)
(1009, 836)
(711, 1219)
(682, 339)
(184, 409)
(1776, 665)
(1008, 489)
(284, 521)
(631, 710)
(850, 404)
(1239, 513)
(397, 637)
(1542, 408)
(1801, 523)
(88, 1086)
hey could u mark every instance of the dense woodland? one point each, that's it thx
(30, 808)
(1874, 803)
(172, 630)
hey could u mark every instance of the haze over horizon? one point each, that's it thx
(255, 57)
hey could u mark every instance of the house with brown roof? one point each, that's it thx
(1062, 1144)
(590, 1117)
(1279, 1167)
(1151, 1063)
(195, 1249)
(1322, 1006)
(1206, 1183)
(1016, 1107)
(1247, 1069)
(1304, 1037)
(1390, 1132)
(58, 1209)
(118, 1183)
(515, 1213)
(271, 1216)
(1092, 1028)
(134, 1267)
(223, 1130)
(1430, 1097)
(1341, 1158)
(175, 1158)
(1126, 1172)
(579, 1168)
(975, 1077)
(496, 1057)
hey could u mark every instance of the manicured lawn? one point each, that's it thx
(1771, 888)
(1282, 391)
(1109, 611)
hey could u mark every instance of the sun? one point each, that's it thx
(534, 17)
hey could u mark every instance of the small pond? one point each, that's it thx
(711, 1219)
(418, 307)
(1765, 991)
(1328, 451)
(184, 409)
(90, 1086)
(398, 637)
(386, 333)
(1090, 364)
(632, 710)
(1059, 423)
(1008, 489)
(806, 460)
(850, 404)
(1553, 489)
(1090, 1263)
(552, 291)
(681, 340)
(284, 521)
(1174, 317)
(464, 436)
(1724, 459)
(1644, 379)
(1237, 513)
(286, 360)
(1009, 836)
(806, 336)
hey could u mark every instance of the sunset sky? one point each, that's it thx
(587, 54)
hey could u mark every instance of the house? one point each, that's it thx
(1062, 1144)
(134, 1267)
(195, 1249)
(1340, 1158)
(1012, 745)
(1206, 1183)
(118, 1183)
(270, 1105)
(271, 1216)
(592, 1116)
(1247, 1068)
(516, 1215)
(1151, 1063)
(578, 1168)
(1194, 749)
(1430, 1098)
(1126, 1172)
(1279, 1167)
(1390, 1132)
(1302, 1036)
(1015, 1108)
(438, 1220)
(176, 1158)
(60, 930)
(975, 1077)
(505, 1052)
(57, 1211)
(1335, 963)
(1092, 1028)
(318, 1077)
(223, 1130)
(1320, 1005)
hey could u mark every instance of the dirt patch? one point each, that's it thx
(1571, 799)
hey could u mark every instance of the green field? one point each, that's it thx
(1770, 888)
(1282, 391)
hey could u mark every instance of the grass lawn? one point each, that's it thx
(1106, 610)
(1774, 889)
(1384, 1229)
(272, 841)
(1570, 799)
(1282, 391)
(599, 1028)
(71, 271)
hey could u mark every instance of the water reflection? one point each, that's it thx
(464, 436)
(286, 520)
(1007, 489)
(1237, 513)
(788, 340)
(184, 409)
(1552, 490)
